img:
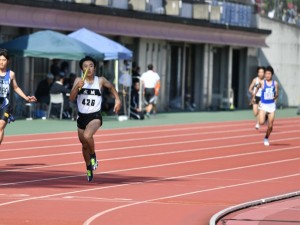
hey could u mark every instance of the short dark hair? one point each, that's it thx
(150, 67)
(261, 68)
(270, 69)
(4, 52)
(87, 58)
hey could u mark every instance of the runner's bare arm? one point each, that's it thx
(259, 85)
(78, 83)
(105, 83)
(276, 90)
(18, 90)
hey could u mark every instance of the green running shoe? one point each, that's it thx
(94, 163)
(89, 173)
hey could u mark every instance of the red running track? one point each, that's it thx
(164, 175)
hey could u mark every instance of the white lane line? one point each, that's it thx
(14, 195)
(141, 132)
(172, 125)
(154, 154)
(208, 124)
(146, 146)
(129, 139)
(158, 180)
(125, 140)
(101, 199)
(96, 216)
(124, 133)
(165, 164)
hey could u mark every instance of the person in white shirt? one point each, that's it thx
(151, 84)
(88, 93)
(252, 88)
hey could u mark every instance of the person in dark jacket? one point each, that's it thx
(136, 111)
(42, 92)
(57, 88)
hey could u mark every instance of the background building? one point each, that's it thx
(203, 50)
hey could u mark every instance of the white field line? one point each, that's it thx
(123, 133)
(154, 154)
(292, 123)
(126, 140)
(167, 164)
(164, 179)
(102, 213)
(146, 146)
(201, 124)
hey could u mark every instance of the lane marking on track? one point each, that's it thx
(124, 133)
(128, 140)
(170, 164)
(155, 154)
(143, 132)
(213, 124)
(96, 216)
(14, 195)
(164, 179)
(99, 199)
(145, 146)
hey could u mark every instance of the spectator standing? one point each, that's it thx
(151, 84)
(42, 92)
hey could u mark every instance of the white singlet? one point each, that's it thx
(89, 98)
(258, 94)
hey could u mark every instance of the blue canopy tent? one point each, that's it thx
(51, 45)
(111, 49)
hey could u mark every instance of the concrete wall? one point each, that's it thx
(283, 55)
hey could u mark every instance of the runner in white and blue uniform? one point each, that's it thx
(268, 105)
(4, 96)
(89, 99)
(7, 80)
(252, 89)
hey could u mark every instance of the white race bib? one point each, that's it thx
(269, 94)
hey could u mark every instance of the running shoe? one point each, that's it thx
(257, 126)
(94, 163)
(90, 175)
(266, 142)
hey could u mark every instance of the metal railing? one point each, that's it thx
(224, 221)
(220, 216)
(222, 12)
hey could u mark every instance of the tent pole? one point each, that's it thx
(117, 75)
(31, 80)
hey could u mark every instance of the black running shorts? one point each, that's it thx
(84, 119)
(257, 100)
